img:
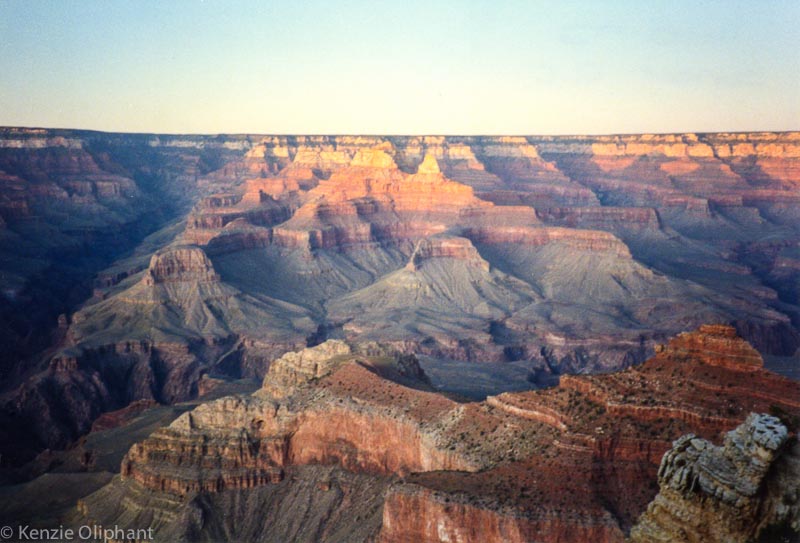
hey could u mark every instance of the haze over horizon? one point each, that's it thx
(401, 68)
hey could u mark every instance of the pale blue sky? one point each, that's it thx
(402, 67)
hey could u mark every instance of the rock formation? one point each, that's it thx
(297, 368)
(180, 265)
(732, 493)
(714, 345)
(246, 442)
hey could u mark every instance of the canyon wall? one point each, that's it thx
(217, 254)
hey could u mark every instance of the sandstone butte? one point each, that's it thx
(577, 462)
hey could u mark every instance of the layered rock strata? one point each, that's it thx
(246, 442)
(735, 492)
(577, 462)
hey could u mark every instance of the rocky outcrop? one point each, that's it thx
(716, 345)
(711, 361)
(245, 442)
(734, 492)
(183, 264)
(178, 461)
(297, 368)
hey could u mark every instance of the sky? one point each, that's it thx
(401, 67)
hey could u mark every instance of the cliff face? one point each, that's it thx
(417, 514)
(237, 443)
(576, 462)
(296, 368)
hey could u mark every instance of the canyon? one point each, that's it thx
(617, 292)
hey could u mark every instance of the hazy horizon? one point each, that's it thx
(354, 68)
(391, 135)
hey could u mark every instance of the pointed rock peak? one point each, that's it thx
(374, 158)
(429, 165)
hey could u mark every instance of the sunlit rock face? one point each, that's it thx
(715, 345)
(303, 414)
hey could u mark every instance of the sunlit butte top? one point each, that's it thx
(401, 67)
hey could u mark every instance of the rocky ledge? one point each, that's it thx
(248, 441)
